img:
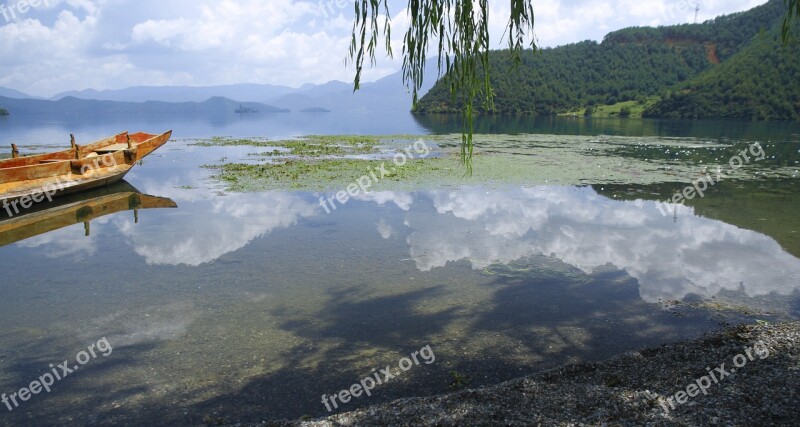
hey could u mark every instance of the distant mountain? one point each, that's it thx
(11, 93)
(670, 67)
(316, 91)
(387, 95)
(242, 92)
(75, 106)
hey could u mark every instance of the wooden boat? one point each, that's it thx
(75, 209)
(76, 169)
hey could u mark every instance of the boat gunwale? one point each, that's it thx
(103, 173)
(56, 154)
(88, 148)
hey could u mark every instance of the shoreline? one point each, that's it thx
(647, 387)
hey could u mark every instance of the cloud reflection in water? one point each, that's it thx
(670, 259)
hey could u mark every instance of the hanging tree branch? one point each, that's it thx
(462, 30)
(793, 13)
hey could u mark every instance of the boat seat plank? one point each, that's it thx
(112, 148)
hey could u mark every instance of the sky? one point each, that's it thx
(52, 46)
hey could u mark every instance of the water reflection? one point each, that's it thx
(258, 303)
(670, 259)
(85, 207)
(213, 226)
(558, 125)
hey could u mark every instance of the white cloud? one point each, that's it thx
(107, 44)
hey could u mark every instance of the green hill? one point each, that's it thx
(759, 83)
(632, 69)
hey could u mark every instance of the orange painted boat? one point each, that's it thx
(82, 167)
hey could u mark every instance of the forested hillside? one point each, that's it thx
(635, 64)
(759, 83)
(567, 77)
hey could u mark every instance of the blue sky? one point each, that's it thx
(52, 46)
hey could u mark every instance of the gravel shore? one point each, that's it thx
(649, 387)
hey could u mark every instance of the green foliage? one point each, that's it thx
(462, 31)
(727, 33)
(625, 112)
(570, 77)
(760, 83)
(629, 68)
(589, 111)
(792, 14)
(636, 108)
(629, 65)
(3, 112)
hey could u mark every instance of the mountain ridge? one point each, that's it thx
(385, 95)
(632, 65)
(76, 106)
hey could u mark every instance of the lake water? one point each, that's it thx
(242, 307)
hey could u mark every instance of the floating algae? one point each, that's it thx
(327, 163)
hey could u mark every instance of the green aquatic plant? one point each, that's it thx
(222, 141)
(526, 160)
(313, 145)
(458, 380)
(214, 420)
(329, 174)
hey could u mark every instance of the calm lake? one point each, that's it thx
(242, 307)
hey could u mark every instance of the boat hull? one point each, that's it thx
(33, 179)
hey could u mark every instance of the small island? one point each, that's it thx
(245, 110)
(4, 112)
(315, 110)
